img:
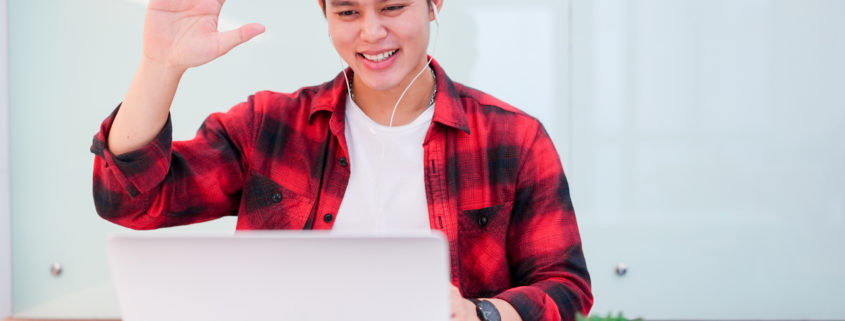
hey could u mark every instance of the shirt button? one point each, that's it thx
(277, 197)
(328, 217)
(343, 161)
(482, 221)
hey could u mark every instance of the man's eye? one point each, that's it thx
(346, 13)
(394, 8)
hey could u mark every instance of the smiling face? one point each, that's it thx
(383, 41)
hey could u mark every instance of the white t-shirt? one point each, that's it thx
(386, 190)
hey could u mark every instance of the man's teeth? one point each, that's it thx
(381, 56)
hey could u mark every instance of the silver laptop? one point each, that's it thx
(295, 276)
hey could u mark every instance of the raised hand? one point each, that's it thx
(183, 33)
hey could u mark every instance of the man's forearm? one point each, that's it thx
(506, 310)
(146, 106)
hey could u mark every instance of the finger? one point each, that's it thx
(230, 39)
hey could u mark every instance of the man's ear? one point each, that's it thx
(435, 5)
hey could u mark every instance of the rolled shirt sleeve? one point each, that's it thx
(168, 183)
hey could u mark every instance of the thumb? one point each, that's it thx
(230, 39)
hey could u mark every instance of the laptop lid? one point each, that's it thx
(283, 275)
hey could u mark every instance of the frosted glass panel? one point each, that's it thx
(71, 62)
(707, 155)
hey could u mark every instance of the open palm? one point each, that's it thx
(183, 33)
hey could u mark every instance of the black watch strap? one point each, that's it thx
(486, 310)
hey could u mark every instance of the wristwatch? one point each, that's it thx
(486, 311)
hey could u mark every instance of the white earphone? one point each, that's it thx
(427, 64)
(434, 8)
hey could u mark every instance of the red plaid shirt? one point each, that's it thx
(493, 180)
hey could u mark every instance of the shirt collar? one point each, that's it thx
(448, 110)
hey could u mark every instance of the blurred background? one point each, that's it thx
(704, 140)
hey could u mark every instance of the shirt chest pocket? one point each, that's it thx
(267, 205)
(482, 235)
(487, 221)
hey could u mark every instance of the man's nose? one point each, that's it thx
(372, 28)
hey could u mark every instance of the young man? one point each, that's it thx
(390, 144)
